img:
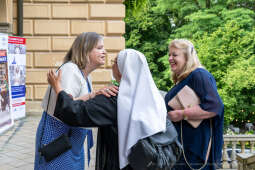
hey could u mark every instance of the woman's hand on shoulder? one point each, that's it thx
(55, 80)
(108, 91)
(175, 115)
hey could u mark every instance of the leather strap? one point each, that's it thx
(45, 116)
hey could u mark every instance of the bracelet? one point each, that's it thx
(185, 117)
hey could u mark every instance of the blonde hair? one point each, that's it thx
(192, 60)
(81, 47)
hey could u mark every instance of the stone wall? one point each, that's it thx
(6, 16)
(50, 27)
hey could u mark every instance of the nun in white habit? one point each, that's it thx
(137, 112)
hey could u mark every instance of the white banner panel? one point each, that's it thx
(17, 70)
(6, 118)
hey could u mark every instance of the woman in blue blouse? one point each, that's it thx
(187, 70)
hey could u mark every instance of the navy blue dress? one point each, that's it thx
(195, 140)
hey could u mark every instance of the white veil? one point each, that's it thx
(141, 108)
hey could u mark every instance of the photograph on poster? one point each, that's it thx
(4, 91)
(16, 65)
(16, 49)
(18, 75)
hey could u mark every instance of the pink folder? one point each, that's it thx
(186, 98)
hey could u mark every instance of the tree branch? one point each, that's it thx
(208, 4)
(197, 4)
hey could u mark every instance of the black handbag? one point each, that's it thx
(157, 152)
(56, 147)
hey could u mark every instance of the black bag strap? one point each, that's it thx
(45, 116)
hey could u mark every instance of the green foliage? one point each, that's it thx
(219, 50)
(134, 7)
(207, 21)
(244, 17)
(149, 34)
(250, 4)
(198, 23)
(223, 33)
(228, 53)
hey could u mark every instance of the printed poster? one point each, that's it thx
(17, 71)
(6, 118)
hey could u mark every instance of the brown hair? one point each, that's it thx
(192, 60)
(81, 47)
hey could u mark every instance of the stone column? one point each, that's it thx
(225, 164)
(233, 156)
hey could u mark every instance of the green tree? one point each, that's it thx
(250, 4)
(149, 34)
(228, 53)
(193, 18)
(223, 34)
(134, 7)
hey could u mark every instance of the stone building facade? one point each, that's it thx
(50, 27)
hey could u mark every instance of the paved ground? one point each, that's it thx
(17, 145)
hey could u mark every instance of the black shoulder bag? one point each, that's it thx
(157, 152)
(56, 147)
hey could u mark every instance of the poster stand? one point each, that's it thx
(12, 80)
(6, 118)
(17, 71)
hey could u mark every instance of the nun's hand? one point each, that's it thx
(54, 80)
(108, 91)
(175, 115)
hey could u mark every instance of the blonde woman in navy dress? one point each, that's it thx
(187, 70)
(86, 54)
